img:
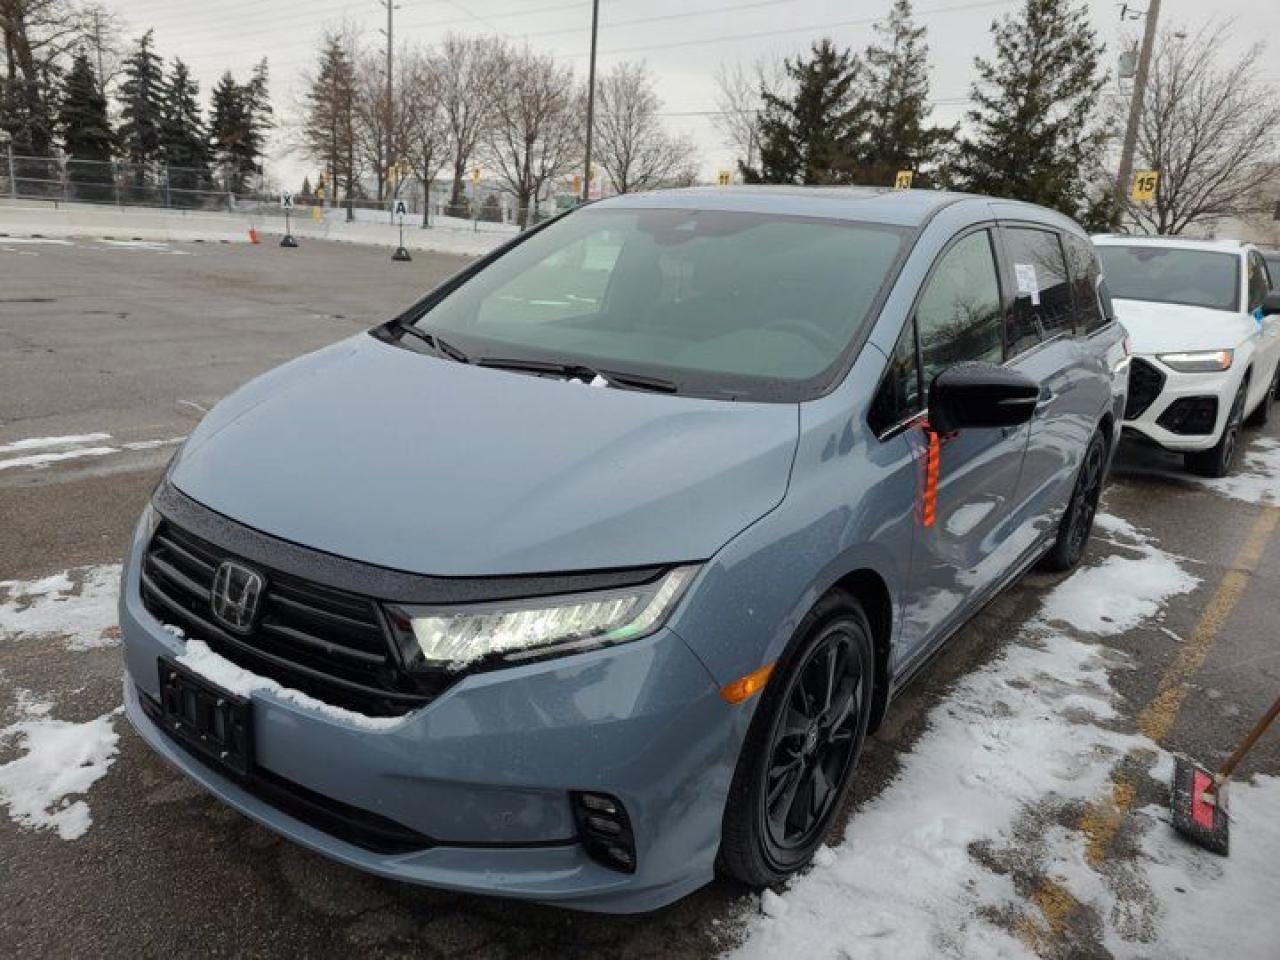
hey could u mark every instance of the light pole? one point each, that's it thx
(388, 118)
(1125, 173)
(591, 99)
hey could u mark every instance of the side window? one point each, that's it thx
(958, 314)
(1085, 281)
(1259, 283)
(1043, 308)
(899, 393)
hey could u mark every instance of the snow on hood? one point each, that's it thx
(385, 455)
(1170, 327)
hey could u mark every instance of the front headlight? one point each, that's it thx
(456, 637)
(1204, 361)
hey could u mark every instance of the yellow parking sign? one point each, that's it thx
(903, 180)
(725, 177)
(1144, 184)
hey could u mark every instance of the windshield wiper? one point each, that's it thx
(578, 371)
(441, 346)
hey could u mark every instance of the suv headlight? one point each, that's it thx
(1203, 361)
(458, 636)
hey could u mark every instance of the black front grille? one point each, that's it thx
(1145, 384)
(327, 643)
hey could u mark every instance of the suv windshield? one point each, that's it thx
(1196, 278)
(718, 303)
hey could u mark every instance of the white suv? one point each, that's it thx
(1202, 317)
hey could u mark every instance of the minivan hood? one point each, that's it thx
(381, 454)
(1170, 328)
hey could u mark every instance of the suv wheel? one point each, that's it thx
(1077, 522)
(802, 746)
(1217, 460)
(1262, 414)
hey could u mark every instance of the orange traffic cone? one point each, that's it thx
(253, 235)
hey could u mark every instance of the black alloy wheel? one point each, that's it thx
(803, 746)
(1077, 522)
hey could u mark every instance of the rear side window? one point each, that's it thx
(957, 318)
(1085, 278)
(1259, 282)
(1043, 308)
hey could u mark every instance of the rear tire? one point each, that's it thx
(1077, 522)
(1218, 459)
(802, 747)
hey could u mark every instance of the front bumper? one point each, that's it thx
(1177, 386)
(485, 770)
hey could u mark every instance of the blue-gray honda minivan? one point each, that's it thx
(587, 576)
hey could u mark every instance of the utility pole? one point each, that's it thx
(1125, 173)
(388, 119)
(591, 99)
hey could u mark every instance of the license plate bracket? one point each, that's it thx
(213, 723)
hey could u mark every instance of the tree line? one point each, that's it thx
(470, 103)
(1039, 127)
(160, 131)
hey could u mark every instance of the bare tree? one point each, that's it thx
(380, 126)
(1210, 132)
(536, 129)
(36, 35)
(738, 102)
(631, 144)
(426, 125)
(467, 88)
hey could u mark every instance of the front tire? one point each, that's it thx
(802, 747)
(1262, 413)
(1218, 459)
(1077, 522)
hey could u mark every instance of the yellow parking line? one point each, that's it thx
(1100, 821)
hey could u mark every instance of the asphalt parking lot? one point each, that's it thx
(125, 347)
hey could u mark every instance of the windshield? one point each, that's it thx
(1273, 268)
(1196, 278)
(719, 303)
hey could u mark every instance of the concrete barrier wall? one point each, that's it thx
(27, 218)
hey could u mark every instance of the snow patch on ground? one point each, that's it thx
(42, 443)
(78, 604)
(44, 787)
(1256, 477)
(151, 246)
(1019, 738)
(44, 459)
(218, 669)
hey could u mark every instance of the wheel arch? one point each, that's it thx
(869, 588)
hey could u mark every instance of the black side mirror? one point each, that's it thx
(975, 394)
(1271, 303)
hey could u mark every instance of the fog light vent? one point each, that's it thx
(1191, 415)
(605, 830)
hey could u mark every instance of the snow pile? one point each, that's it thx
(218, 669)
(1256, 477)
(79, 604)
(1012, 743)
(44, 786)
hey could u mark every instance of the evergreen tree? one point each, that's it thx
(82, 119)
(259, 115)
(86, 132)
(141, 98)
(813, 135)
(228, 130)
(1034, 130)
(305, 193)
(896, 100)
(328, 127)
(183, 141)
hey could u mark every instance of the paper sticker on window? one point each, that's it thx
(1028, 285)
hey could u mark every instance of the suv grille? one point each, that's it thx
(327, 643)
(1145, 384)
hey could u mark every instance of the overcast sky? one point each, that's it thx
(683, 41)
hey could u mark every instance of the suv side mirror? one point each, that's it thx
(970, 395)
(1271, 303)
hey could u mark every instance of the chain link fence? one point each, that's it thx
(226, 189)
